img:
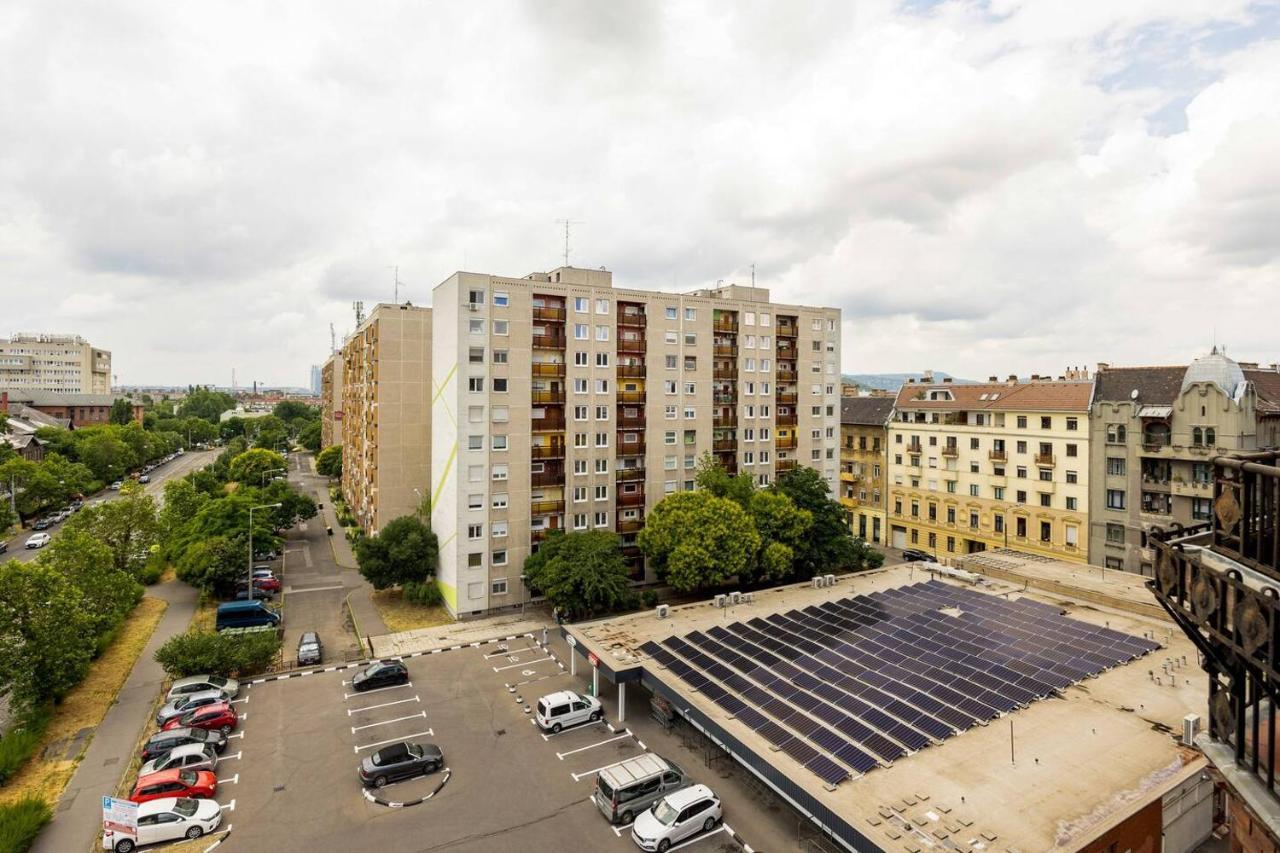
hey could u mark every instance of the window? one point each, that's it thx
(475, 326)
(499, 356)
(690, 339)
(499, 442)
(691, 314)
(1046, 530)
(602, 519)
(1115, 499)
(1073, 477)
(1022, 421)
(1022, 447)
(602, 493)
(580, 331)
(501, 327)
(579, 413)
(475, 531)
(499, 530)
(579, 386)
(671, 337)
(475, 355)
(580, 521)
(602, 413)
(500, 385)
(475, 384)
(499, 414)
(1201, 509)
(475, 561)
(1115, 534)
(1071, 450)
(581, 304)
(602, 359)
(669, 437)
(973, 490)
(602, 306)
(500, 299)
(602, 439)
(1046, 422)
(475, 501)
(1045, 499)
(499, 558)
(671, 313)
(602, 333)
(672, 362)
(499, 587)
(669, 412)
(1115, 433)
(579, 494)
(690, 388)
(1073, 424)
(602, 386)
(579, 467)
(1071, 504)
(1115, 466)
(579, 359)
(500, 472)
(475, 473)
(475, 442)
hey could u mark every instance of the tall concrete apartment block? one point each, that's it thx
(65, 364)
(331, 401)
(386, 415)
(561, 402)
(1156, 431)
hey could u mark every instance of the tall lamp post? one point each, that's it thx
(265, 474)
(251, 509)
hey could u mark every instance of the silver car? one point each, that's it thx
(178, 707)
(189, 756)
(197, 683)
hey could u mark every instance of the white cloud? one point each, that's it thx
(983, 188)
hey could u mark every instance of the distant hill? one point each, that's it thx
(894, 381)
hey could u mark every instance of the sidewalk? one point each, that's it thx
(77, 820)
(462, 633)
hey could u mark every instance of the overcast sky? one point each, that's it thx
(983, 188)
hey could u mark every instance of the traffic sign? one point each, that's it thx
(120, 817)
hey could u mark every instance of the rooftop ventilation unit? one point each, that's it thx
(829, 580)
(735, 597)
(1190, 728)
(816, 582)
(721, 600)
(663, 611)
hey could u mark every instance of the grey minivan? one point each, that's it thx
(625, 789)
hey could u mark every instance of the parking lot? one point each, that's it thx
(506, 785)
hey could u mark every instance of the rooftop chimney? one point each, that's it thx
(1013, 377)
(1102, 365)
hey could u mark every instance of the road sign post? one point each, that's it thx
(120, 818)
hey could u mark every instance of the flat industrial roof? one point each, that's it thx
(1080, 763)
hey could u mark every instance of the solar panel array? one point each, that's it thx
(849, 685)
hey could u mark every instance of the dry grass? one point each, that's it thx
(85, 706)
(206, 616)
(400, 615)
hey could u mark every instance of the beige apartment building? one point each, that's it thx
(864, 449)
(1155, 433)
(331, 400)
(65, 364)
(561, 402)
(991, 465)
(385, 415)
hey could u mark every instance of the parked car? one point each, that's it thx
(77, 504)
(145, 478)
(181, 705)
(245, 614)
(566, 708)
(219, 717)
(39, 540)
(115, 487)
(161, 742)
(243, 593)
(310, 652)
(676, 817)
(61, 516)
(265, 555)
(196, 784)
(383, 673)
(400, 761)
(625, 789)
(4, 546)
(197, 683)
(41, 523)
(168, 819)
(270, 583)
(188, 756)
(915, 555)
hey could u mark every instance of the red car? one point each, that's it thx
(270, 584)
(196, 784)
(219, 716)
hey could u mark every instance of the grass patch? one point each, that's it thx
(400, 615)
(84, 707)
(20, 823)
(206, 617)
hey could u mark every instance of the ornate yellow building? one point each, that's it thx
(993, 465)
(864, 441)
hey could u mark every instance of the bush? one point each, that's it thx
(649, 598)
(874, 559)
(151, 573)
(427, 593)
(222, 654)
(19, 744)
(21, 822)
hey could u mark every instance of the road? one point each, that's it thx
(179, 467)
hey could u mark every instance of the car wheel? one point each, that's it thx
(708, 824)
(663, 846)
(626, 818)
(194, 832)
(555, 728)
(226, 730)
(124, 845)
(380, 782)
(595, 715)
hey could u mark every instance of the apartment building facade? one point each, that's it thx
(65, 364)
(385, 415)
(562, 402)
(864, 448)
(331, 400)
(974, 467)
(1156, 431)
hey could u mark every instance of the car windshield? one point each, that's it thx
(415, 751)
(217, 681)
(664, 813)
(188, 777)
(186, 806)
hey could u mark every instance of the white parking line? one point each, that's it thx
(526, 664)
(561, 755)
(577, 728)
(222, 758)
(234, 779)
(351, 711)
(422, 714)
(244, 716)
(618, 830)
(295, 591)
(578, 777)
(237, 734)
(238, 701)
(719, 829)
(231, 806)
(356, 749)
(346, 696)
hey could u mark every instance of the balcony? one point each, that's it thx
(784, 465)
(787, 330)
(632, 371)
(1153, 482)
(547, 397)
(786, 376)
(631, 448)
(633, 422)
(950, 451)
(630, 475)
(630, 525)
(632, 552)
(549, 341)
(633, 499)
(724, 445)
(1045, 460)
(725, 372)
(997, 456)
(548, 368)
(547, 451)
(1155, 446)
(726, 350)
(630, 343)
(725, 398)
(546, 507)
(786, 398)
(725, 417)
(1192, 488)
(786, 350)
(548, 312)
(548, 424)
(630, 396)
(723, 326)
(785, 419)
(914, 448)
(629, 317)
(785, 442)
(547, 478)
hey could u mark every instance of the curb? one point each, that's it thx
(368, 795)
(219, 841)
(729, 830)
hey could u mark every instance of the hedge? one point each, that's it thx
(20, 743)
(197, 652)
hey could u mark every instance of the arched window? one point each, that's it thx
(1210, 436)
(1197, 437)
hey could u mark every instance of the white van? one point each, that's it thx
(558, 711)
(626, 789)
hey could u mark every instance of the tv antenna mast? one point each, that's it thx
(567, 223)
(333, 339)
(396, 267)
(359, 306)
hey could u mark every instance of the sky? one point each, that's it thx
(982, 187)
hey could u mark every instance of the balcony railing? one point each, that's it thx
(546, 507)
(547, 312)
(950, 451)
(631, 396)
(547, 397)
(786, 350)
(784, 465)
(915, 448)
(1045, 460)
(547, 478)
(547, 451)
(631, 344)
(548, 341)
(633, 422)
(721, 445)
(787, 399)
(725, 327)
(548, 368)
(785, 442)
(997, 456)
(787, 330)
(631, 448)
(633, 499)
(725, 398)
(631, 525)
(630, 475)
(726, 350)
(1154, 446)
(632, 318)
(725, 372)
(632, 371)
(785, 419)
(725, 417)
(786, 375)
(555, 424)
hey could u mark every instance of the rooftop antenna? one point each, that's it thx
(333, 339)
(753, 274)
(397, 290)
(359, 306)
(567, 223)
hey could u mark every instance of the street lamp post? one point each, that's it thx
(271, 471)
(251, 509)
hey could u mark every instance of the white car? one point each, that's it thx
(39, 540)
(115, 487)
(560, 710)
(677, 816)
(196, 683)
(167, 820)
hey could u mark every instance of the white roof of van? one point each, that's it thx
(640, 767)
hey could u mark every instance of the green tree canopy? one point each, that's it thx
(696, 540)
(128, 526)
(252, 467)
(782, 527)
(329, 461)
(309, 437)
(44, 620)
(89, 564)
(829, 545)
(290, 410)
(714, 478)
(121, 412)
(206, 404)
(405, 550)
(214, 565)
(581, 574)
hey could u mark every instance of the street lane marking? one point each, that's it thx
(422, 714)
(295, 591)
(579, 727)
(530, 663)
(379, 690)
(356, 749)
(351, 711)
(624, 736)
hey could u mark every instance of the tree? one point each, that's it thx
(268, 431)
(252, 466)
(294, 506)
(290, 410)
(714, 478)
(87, 563)
(782, 527)
(45, 623)
(329, 461)
(581, 574)
(697, 540)
(182, 501)
(405, 550)
(829, 544)
(106, 455)
(309, 437)
(214, 565)
(121, 412)
(129, 526)
(206, 404)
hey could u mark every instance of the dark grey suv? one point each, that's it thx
(400, 761)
